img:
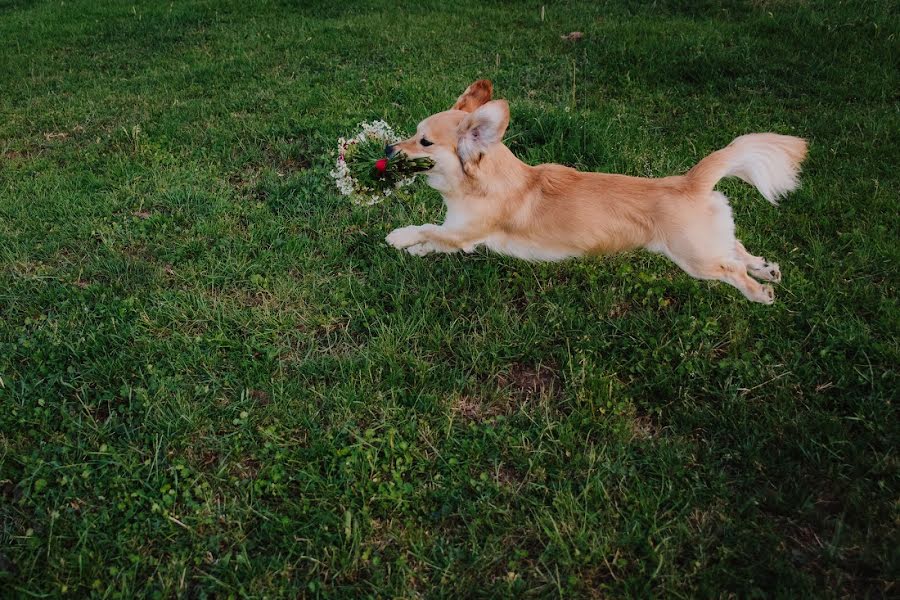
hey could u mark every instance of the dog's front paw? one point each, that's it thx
(404, 237)
(421, 249)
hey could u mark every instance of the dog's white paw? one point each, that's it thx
(772, 272)
(421, 249)
(766, 272)
(404, 237)
(766, 294)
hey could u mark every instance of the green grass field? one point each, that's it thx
(216, 379)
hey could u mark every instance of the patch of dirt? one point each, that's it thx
(10, 491)
(841, 568)
(803, 541)
(618, 310)
(530, 381)
(245, 179)
(292, 164)
(476, 410)
(644, 427)
(208, 457)
(669, 301)
(241, 297)
(379, 534)
(252, 298)
(28, 268)
(201, 458)
(261, 397)
(518, 385)
(138, 253)
(101, 413)
(8, 566)
(507, 476)
(15, 155)
(524, 549)
(827, 502)
(246, 469)
(335, 339)
(468, 407)
(298, 157)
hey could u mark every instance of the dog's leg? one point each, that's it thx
(735, 273)
(706, 248)
(424, 239)
(710, 251)
(731, 272)
(757, 265)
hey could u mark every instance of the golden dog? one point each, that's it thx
(552, 212)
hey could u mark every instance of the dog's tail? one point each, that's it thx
(768, 161)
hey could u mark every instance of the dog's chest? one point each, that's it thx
(474, 215)
(462, 213)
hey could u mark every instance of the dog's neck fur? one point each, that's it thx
(496, 173)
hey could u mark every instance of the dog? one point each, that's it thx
(551, 212)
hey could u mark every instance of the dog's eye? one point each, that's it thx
(425, 142)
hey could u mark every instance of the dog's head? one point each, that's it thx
(458, 138)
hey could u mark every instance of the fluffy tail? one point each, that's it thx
(768, 161)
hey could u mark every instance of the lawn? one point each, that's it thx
(216, 379)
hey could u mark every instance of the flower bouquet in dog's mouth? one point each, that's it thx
(363, 171)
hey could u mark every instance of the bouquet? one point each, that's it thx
(364, 173)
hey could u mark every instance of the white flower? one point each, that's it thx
(344, 180)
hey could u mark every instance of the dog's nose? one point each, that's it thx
(390, 151)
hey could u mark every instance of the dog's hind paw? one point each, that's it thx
(766, 294)
(767, 272)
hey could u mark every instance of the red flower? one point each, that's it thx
(381, 165)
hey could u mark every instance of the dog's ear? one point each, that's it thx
(481, 129)
(475, 95)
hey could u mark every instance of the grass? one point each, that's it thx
(217, 379)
